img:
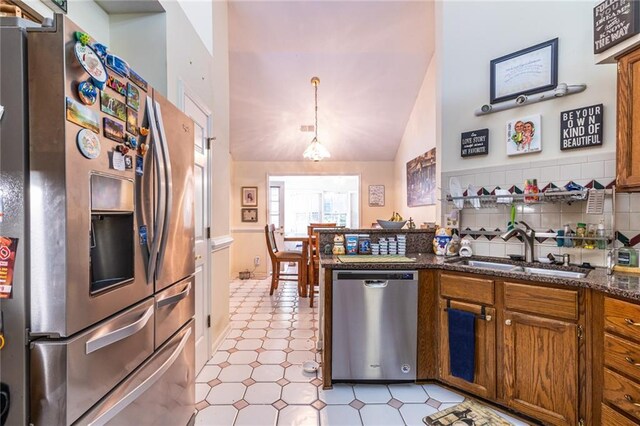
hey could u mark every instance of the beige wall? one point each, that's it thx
(420, 136)
(249, 239)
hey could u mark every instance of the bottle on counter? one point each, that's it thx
(601, 242)
(590, 242)
(568, 234)
(581, 233)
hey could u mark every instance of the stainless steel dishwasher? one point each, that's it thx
(375, 315)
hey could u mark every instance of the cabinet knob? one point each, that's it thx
(507, 322)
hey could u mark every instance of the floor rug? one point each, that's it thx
(467, 413)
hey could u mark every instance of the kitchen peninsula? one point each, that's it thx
(552, 347)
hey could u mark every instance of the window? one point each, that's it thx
(314, 199)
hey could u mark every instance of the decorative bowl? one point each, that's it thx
(388, 224)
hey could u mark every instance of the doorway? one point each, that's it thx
(201, 117)
(296, 201)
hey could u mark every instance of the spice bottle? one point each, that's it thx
(581, 233)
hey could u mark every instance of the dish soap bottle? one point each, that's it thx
(601, 241)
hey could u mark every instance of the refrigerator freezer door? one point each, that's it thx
(176, 258)
(70, 376)
(60, 193)
(160, 392)
(174, 307)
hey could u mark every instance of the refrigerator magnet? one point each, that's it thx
(133, 96)
(144, 131)
(132, 121)
(83, 116)
(91, 64)
(128, 162)
(137, 80)
(116, 85)
(113, 130)
(88, 143)
(112, 106)
(81, 37)
(117, 160)
(100, 49)
(130, 141)
(118, 65)
(139, 165)
(87, 92)
(142, 233)
(142, 149)
(122, 149)
(8, 249)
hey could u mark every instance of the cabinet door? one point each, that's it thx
(628, 134)
(484, 383)
(541, 367)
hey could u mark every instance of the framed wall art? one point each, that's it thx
(249, 196)
(524, 135)
(527, 71)
(376, 195)
(249, 215)
(421, 180)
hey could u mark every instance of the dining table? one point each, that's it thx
(303, 270)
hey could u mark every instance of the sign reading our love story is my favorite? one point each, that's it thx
(474, 143)
(582, 127)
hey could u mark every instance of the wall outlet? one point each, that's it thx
(256, 261)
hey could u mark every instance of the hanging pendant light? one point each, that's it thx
(316, 151)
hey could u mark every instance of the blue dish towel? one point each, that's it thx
(462, 343)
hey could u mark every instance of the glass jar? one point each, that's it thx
(568, 234)
(590, 242)
(581, 233)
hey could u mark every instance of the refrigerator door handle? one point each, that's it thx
(119, 334)
(169, 187)
(142, 387)
(159, 218)
(171, 300)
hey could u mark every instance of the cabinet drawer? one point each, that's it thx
(611, 417)
(555, 302)
(622, 393)
(467, 288)
(623, 355)
(622, 317)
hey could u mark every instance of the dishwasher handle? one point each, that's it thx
(375, 283)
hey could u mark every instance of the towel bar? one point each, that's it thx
(482, 316)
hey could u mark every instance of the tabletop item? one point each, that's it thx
(338, 244)
(441, 240)
(456, 191)
(601, 242)
(531, 190)
(388, 224)
(351, 243)
(364, 244)
(465, 249)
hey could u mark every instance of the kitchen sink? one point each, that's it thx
(510, 267)
(554, 272)
(490, 265)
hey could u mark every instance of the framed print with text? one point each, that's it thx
(249, 215)
(527, 71)
(376, 195)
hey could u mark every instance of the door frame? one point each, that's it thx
(185, 91)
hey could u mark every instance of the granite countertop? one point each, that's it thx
(622, 285)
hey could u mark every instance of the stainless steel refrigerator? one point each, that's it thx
(99, 327)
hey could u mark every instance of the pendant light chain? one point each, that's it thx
(316, 151)
(316, 126)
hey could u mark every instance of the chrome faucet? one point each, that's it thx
(529, 237)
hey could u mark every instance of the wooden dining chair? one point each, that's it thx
(280, 257)
(314, 256)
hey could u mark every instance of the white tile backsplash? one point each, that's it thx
(581, 169)
(570, 172)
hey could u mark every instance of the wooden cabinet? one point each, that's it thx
(620, 371)
(628, 123)
(540, 364)
(484, 383)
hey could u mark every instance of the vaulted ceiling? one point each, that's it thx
(370, 56)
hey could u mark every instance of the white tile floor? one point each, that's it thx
(256, 378)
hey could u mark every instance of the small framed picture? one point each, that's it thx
(249, 197)
(249, 215)
(376, 195)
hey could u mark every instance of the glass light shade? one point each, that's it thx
(316, 151)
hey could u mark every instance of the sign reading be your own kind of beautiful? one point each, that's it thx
(582, 127)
